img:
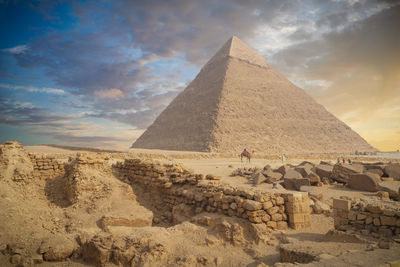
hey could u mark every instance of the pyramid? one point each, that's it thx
(237, 100)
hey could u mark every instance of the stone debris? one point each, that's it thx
(378, 218)
(121, 231)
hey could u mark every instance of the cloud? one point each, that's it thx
(33, 89)
(19, 49)
(71, 129)
(110, 93)
(117, 61)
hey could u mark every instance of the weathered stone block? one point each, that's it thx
(272, 210)
(267, 205)
(386, 220)
(252, 205)
(276, 217)
(341, 204)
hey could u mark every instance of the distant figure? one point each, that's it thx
(246, 154)
(344, 160)
(283, 157)
(338, 160)
(349, 161)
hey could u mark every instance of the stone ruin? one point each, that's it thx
(371, 177)
(172, 195)
(173, 185)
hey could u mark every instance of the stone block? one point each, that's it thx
(272, 224)
(377, 222)
(302, 207)
(386, 220)
(341, 204)
(361, 217)
(281, 225)
(273, 210)
(297, 197)
(267, 205)
(297, 218)
(276, 217)
(280, 201)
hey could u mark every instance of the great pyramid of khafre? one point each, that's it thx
(236, 101)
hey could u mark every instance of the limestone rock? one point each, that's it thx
(295, 183)
(98, 249)
(137, 218)
(314, 178)
(292, 174)
(376, 171)
(320, 207)
(15, 163)
(393, 170)
(274, 177)
(258, 178)
(341, 172)
(283, 169)
(364, 181)
(252, 205)
(304, 170)
(324, 170)
(391, 187)
(57, 248)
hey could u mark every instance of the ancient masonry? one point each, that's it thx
(379, 218)
(171, 185)
(237, 100)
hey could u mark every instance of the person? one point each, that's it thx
(349, 161)
(245, 150)
(344, 160)
(338, 160)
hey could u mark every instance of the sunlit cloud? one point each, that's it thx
(110, 93)
(33, 89)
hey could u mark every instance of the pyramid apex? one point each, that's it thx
(236, 48)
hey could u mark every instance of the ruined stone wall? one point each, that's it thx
(46, 166)
(173, 185)
(378, 218)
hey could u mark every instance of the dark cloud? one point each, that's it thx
(111, 44)
(25, 114)
(372, 42)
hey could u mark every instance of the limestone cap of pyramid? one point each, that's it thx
(236, 48)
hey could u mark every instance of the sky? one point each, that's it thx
(98, 73)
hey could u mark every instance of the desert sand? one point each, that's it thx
(90, 215)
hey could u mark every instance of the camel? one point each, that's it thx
(245, 154)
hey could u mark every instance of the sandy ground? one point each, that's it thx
(34, 211)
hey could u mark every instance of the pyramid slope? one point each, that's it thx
(187, 122)
(238, 101)
(260, 109)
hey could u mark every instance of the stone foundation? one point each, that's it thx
(378, 218)
(46, 166)
(172, 185)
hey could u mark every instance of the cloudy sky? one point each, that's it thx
(97, 73)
